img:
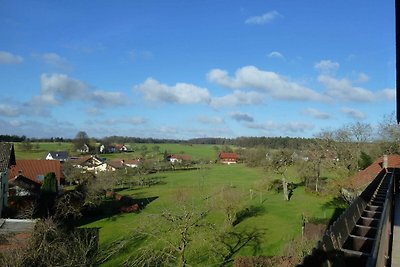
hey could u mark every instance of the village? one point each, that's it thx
(85, 185)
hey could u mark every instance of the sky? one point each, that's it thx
(188, 69)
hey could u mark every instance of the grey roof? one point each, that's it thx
(59, 154)
(7, 156)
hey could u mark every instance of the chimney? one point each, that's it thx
(385, 161)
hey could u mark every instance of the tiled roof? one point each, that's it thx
(33, 168)
(59, 154)
(7, 156)
(365, 176)
(226, 155)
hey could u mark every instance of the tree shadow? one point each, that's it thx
(339, 205)
(248, 212)
(232, 242)
(112, 209)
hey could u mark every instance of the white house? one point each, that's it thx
(84, 149)
(57, 155)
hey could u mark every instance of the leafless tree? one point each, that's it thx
(280, 163)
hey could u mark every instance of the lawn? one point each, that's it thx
(197, 152)
(40, 150)
(279, 220)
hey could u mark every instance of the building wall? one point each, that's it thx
(3, 190)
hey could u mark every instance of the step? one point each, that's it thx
(368, 222)
(377, 203)
(374, 208)
(371, 214)
(354, 258)
(365, 231)
(361, 244)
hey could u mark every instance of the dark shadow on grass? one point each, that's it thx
(248, 212)
(111, 209)
(339, 205)
(233, 242)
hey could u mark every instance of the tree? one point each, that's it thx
(51, 245)
(230, 204)
(389, 133)
(171, 232)
(49, 183)
(81, 139)
(361, 134)
(26, 145)
(364, 161)
(48, 194)
(279, 163)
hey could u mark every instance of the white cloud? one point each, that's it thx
(94, 111)
(53, 59)
(316, 114)
(327, 66)
(137, 54)
(237, 98)
(9, 111)
(362, 78)
(104, 98)
(210, 120)
(264, 18)
(242, 117)
(285, 128)
(342, 89)
(275, 54)
(56, 88)
(353, 113)
(8, 58)
(181, 93)
(387, 94)
(128, 120)
(277, 86)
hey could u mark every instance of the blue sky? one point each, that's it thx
(187, 69)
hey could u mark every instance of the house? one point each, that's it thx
(364, 177)
(7, 159)
(57, 155)
(91, 163)
(84, 149)
(107, 149)
(121, 148)
(120, 164)
(26, 176)
(173, 158)
(228, 158)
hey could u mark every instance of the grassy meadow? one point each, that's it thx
(278, 221)
(197, 152)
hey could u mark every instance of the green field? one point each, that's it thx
(40, 150)
(280, 221)
(197, 152)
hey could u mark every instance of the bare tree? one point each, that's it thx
(173, 231)
(230, 203)
(389, 133)
(280, 163)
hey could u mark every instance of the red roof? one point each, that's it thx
(226, 155)
(32, 168)
(367, 175)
